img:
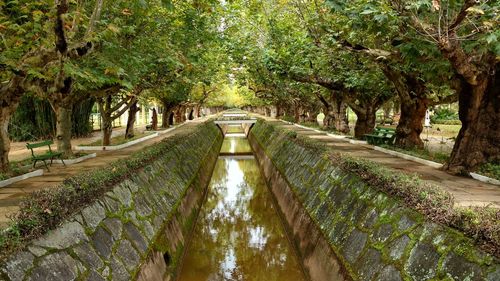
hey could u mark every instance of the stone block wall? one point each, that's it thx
(137, 231)
(374, 236)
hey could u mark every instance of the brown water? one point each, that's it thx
(238, 235)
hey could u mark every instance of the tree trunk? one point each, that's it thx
(296, 113)
(410, 124)
(341, 119)
(191, 114)
(165, 118)
(107, 130)
(5, 114)
(478, 141)
(184, 116)
(414, 103)
(178, 115)
(10, 96)
(154, 120)
(365, 122)
(197, 111)
(132, 112)
(63, 129)
(171, 119)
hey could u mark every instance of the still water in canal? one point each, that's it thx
(238, 235)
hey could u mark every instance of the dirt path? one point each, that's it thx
(19, 152)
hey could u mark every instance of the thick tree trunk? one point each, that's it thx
(478, 141)
(184, 115)
(132, 112)
(279, 111)
(197, 111)
(191, 114)
(107, 130)
(171, 119)
(154, 120)
(10, 96)
(165, 118)
(341, 119)
(410, 124)
(179, 115)
(296, 113)
(414, 103)
(5, 115)
(365, 122)
(63, 129)
(336, 117)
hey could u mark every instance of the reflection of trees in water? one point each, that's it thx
(239, 239)
(240, 145)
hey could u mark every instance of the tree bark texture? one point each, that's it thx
(478, 141)
(10, 96)
(63, 129)
(414, 103)
(365, 123)
(154, 120)
(132, 115)
(336, 114)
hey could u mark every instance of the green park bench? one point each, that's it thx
(381, 136)
(48, 155)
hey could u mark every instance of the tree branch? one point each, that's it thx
(461, 15)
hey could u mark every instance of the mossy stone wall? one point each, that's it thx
(374, 236)
(144, 219)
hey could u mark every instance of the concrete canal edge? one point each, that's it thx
(345, 229)
(137, 231)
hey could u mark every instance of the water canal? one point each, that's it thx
(238, 235)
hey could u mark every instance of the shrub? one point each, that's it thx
(444, 114)
(447, 122)
(288, 118)
(491, 170)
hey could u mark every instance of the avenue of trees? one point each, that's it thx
(311, 55)
(302, 57)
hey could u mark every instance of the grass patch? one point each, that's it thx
(120, 139)
(17, 169)
(438, 157)
(491, 170)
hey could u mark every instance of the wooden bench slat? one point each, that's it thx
(39, 144)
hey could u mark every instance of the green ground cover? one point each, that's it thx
(120, 139)
(439, 157)
(491, 170)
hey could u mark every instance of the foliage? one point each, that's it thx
(34, 119)
(443, 114)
